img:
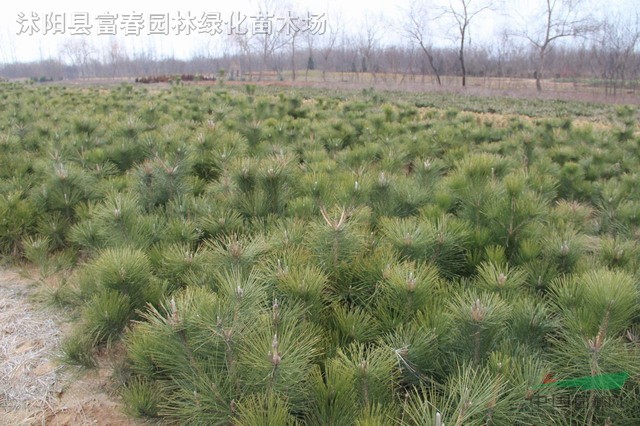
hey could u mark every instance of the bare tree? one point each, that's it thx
(505, 52)
(8, 47)
(329, 44)
(79, 52)
(558, 19)
(617, 42)
(244, 44)
(463, 12)
(115, 55)
(368, 43)
(417, 27)
(310, 40)
(4, 57)
(271, 38)
(347, 57)
(292, 42)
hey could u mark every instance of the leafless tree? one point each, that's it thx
(8, 47)
(418, 22)
(310, 40)
(244, 44)
(115, 55)
(463, 12)
(368, 43)
(292, 42)
(505, 52)
(79, 52)
(4, 57)
(616, 47)
(557, 19)
(330, 38)
(272, 39)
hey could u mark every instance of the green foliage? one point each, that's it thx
(226, 343)
(331, 258)
(36, 251)
(441, 242)
(472, 400)
(531, 323)
(124, 270)
(142, 397)
(64, 187)
(597, 301)
(264, 410)
(106, 315)
(237, 252)
(356, 378)
(118, 221)
(17, 219)
(159, 182)
(177, 262)
(406, 289)
(501, 279)
(477, 321)
(354, 324)
(77, 349)
(297, 279)
(337, 239)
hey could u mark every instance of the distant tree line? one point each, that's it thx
(563, 42)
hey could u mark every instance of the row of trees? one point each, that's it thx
(562, 38)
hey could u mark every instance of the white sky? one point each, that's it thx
(349, 16)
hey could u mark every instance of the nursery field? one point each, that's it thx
(275, 256)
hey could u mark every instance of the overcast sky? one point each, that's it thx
(32, 30)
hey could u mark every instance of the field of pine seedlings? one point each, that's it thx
(311, 257)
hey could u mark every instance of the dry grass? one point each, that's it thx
(29, 341)
(34, 387)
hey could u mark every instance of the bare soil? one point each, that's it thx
(35, 387)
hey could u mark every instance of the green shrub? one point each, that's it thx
(17, 219)
(328, 258)
(158, 182)
(142, 398)
(77, 349)
(125, 271)
(105, 316)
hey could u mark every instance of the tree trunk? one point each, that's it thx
(463, 69)
(431, 64)
(540, 69)
(293, 59)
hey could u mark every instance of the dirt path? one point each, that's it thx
(35, 388)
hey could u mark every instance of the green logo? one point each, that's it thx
(601, 382)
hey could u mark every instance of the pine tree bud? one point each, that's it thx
(411, 282)
(478, 311)
(276, 359)
(564, 248)
(274, 353)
